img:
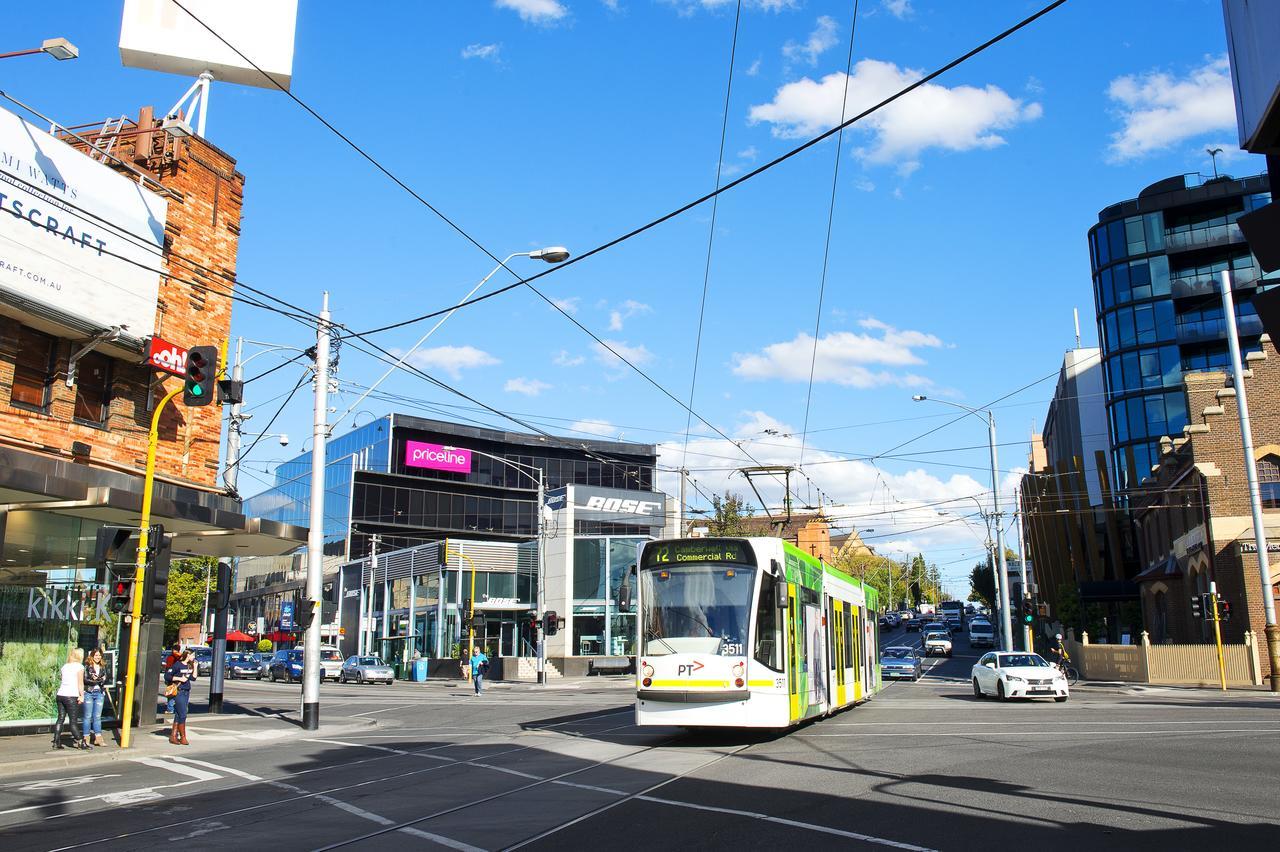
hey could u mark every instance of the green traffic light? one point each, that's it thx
(196, 390)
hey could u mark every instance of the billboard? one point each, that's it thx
(159, 36)
(437, 457)
(78, 241)
(612, 505)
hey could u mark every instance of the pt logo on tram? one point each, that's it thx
(688, 668)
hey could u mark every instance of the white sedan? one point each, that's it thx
(1018, 675)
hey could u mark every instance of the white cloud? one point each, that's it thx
(843, 358)
(1158, 110)
(612, 5)
(863, 185)
(569, 305)
(601, 428)
(535, 11)
(900, 9)
(528, 387)
(754, 68)
(822, 39)
(748, 153)
(482, 51)
(564, 359)
(452, 359)
(953, 119)
(638, 354)
(626, 311)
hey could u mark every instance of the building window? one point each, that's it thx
(93, 389)
(33, 369)
(1269, 481)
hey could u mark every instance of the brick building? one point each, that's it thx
(1192, 513)
(110, 235)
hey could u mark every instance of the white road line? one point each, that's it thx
(608, 790)
(384, 710)
(227, 769)
(825, 829)
(355, 811)
(503, 769)
(106, 797)
(442, 840)
(361, 745)
(189, 771)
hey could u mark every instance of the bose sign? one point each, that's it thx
(628, 507)
(612, 505)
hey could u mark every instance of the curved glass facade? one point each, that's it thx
(1159, 311)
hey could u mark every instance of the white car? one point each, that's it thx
(936, 642)
(981, 633)
(1018, 675)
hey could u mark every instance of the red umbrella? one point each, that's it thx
(238, 636)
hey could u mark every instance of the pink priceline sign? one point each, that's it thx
(437, 457)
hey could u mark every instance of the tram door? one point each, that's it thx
(815, 653)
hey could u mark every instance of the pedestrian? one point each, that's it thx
(96, 677)
(175, 652)
(479, 668)
(178, 681)
(70, 697)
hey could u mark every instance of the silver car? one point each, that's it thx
(366, 670)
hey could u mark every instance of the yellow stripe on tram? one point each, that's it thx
(760, 683)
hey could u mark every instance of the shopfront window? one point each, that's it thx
(589, 569)
(588, 631)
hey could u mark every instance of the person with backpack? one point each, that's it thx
(479, 668)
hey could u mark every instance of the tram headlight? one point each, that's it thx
(646, 670)
(739, 670)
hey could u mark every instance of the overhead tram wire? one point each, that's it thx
(759, 170)
(301, 381)
(711, 232)
(826, 245)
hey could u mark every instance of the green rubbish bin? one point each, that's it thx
(398, 667)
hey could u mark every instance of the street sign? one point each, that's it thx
(286, 616)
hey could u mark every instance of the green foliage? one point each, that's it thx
(982, 584)
(264, 646)
(29, 677)
(184, 603)
(728, 515)
(883, 574)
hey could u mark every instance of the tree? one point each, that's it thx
(729, 515)
(982, 584)
(264, 645)
(184, 601)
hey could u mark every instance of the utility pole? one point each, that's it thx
(315, 535)
(1028, 638)
(370, 635)
(1251, 473)
(1006, 627)
(236, 423)
(542, 575)
(684, 475)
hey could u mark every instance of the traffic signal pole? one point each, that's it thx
(315, 535)
(140, 569)
(1217, 635)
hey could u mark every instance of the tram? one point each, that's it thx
(749, 633)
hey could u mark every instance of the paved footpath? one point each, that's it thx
(923, 766)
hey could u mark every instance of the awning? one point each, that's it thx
(238, 636)
(281, 636)
(1109, 591)
(1166, 570)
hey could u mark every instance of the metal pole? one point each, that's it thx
(1251, 472)
(315, 535)
(219, 639)
(542, 576)
(1217, 635)
(232, 475)
(684, 474)
(204, 616)
(1006, 628)
(140, 568)
(1028, 637)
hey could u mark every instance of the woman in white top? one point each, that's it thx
(70, 697)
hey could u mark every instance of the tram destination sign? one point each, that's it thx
(693, 550)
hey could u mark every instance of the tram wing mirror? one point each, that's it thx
(780, 595)
(624, 597)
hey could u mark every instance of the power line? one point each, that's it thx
(711, 232)
(738, 181)
(301, 381)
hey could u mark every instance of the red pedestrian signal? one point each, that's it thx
(121, 594)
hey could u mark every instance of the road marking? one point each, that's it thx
(207, 828)
(503, 769)
(361, 745)
(825, 829)
(590, 787)
(442, 840)
(56, 783)
(227, 769)
(352, 809)
(384, 709)
(189, 771)
(933, 724)
(132, 797)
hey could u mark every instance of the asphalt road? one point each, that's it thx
(923, 766)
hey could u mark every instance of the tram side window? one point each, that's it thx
(769, 644)
(847, 615)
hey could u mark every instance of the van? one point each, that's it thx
(981, 634)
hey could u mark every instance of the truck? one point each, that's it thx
(953, 612)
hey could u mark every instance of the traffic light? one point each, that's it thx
(1028, 611)
(110, 551)
(329, 592)
(1206, 604)
(1197, 607)
(155, 581)
(550, 623)
(202, 367)
(1224, 610)
(223, 600)
(121, 593)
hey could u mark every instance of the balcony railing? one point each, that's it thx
(1201, 331)
(1218, 235)
(1207, 284)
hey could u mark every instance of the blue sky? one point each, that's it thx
(958, 242)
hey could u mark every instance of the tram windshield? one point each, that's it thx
(702, 608)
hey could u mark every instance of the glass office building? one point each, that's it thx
(1156, 263)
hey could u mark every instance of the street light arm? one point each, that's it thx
(976, 412)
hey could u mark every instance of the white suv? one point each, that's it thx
(330, 663)
(981, 633)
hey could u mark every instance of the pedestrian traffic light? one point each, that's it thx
(550, 623)
(155, 580)
(121, 593)
(1206, 604)
(202, 366)
(1224, 610)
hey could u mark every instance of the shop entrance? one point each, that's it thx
(499, 632)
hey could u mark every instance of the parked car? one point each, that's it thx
(287, 665)
(239, 665)
(899, 662)
(204, 660)
(893, 619)
(263, 658)
(937, 642)
(330, 663)
(1018, 675)
(366, 670)
(914, 623)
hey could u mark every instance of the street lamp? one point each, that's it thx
(58, 48)
(1002, 587)
(539, 476)
(231, 476)
(550, 254)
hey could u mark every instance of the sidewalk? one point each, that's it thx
(236, 727)
(1134, 688)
